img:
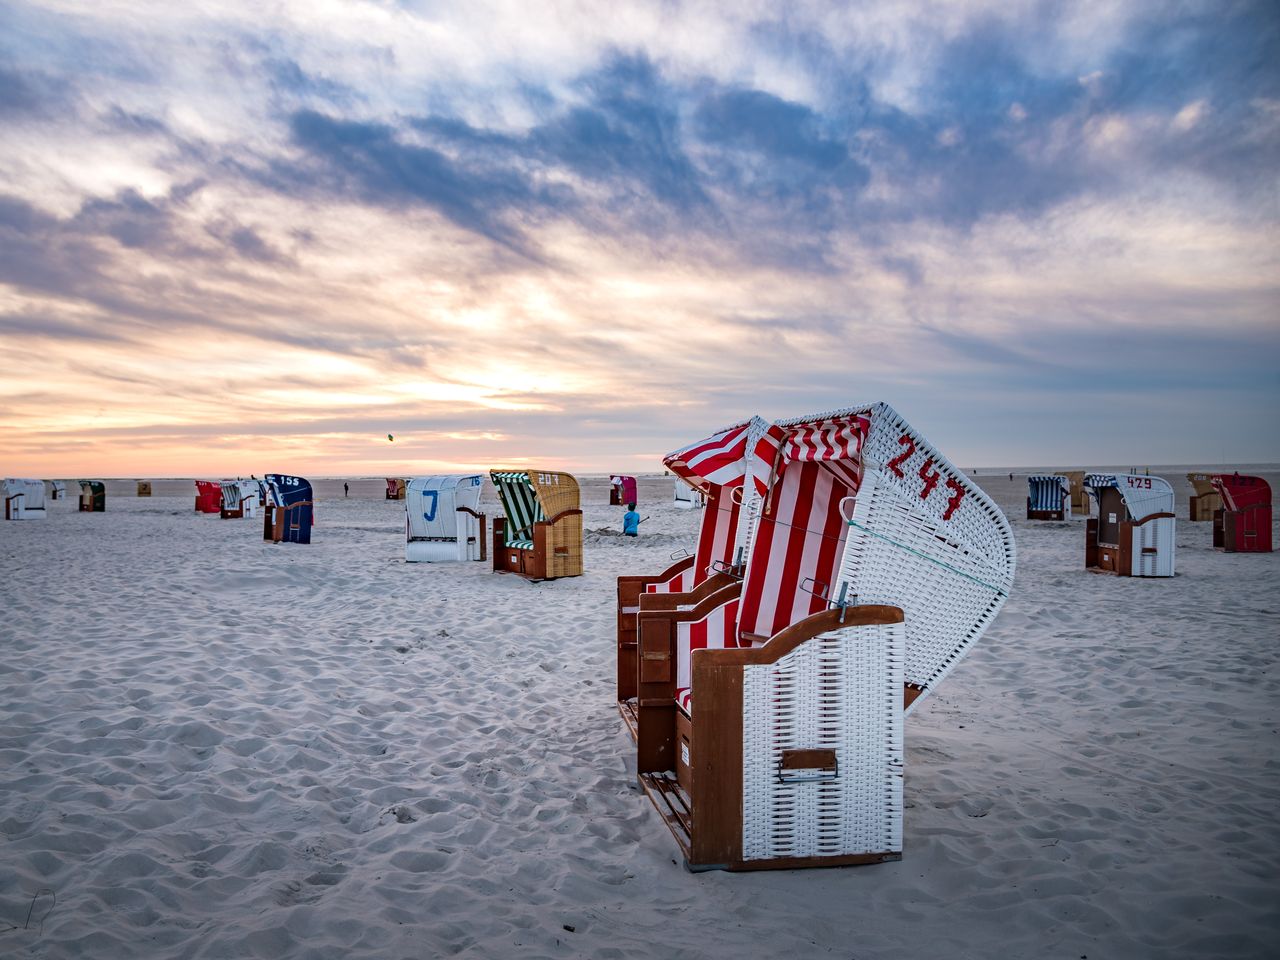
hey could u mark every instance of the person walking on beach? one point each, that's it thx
(346, 490)
(631, 521)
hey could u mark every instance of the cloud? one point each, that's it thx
(625, 229)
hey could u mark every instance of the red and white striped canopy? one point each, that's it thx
(727, 458)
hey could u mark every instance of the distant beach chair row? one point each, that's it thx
(1133, 534)
(843, 567)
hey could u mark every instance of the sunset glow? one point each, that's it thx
(237, 237)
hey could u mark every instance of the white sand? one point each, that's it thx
(216, 747)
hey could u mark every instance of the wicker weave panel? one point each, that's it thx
(556, 492)
(924, 538)
(840, 691)
(897, 554)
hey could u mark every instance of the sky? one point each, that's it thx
(262, 236)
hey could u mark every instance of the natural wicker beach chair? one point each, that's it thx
(289, 512)
(1243, 525)
(443, 519)
(1079, 495)
(23, 499)
(622, 490)
(144, 488)
(395, 488)
(1206, 501)
(875, 568)
(239, 499)
(93, 496)
(208, 496)
(730, 470)
(1048, 497)
(540, 537)
(1133, 534)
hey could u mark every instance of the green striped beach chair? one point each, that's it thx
(540, 536)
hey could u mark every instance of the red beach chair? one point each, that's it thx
(208, 496)
(1243, 525)
(771, 724)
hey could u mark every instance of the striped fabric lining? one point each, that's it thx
(717, 631)
(1046, 492)
(800, 542)
(520, 504)
(835, 443)
(684, 700)
(717, 538)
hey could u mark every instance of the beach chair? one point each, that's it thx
(1206, 501)
(540, 536)
(622, 490)
(93, 496)
(239, 499)
(443, 519)
(208, 496)
(1243, 525)
(1079, 495)
(687, 497)
(23, 499)
(771, 730)
(730, 471)
(1133, 534)
(1048, 497)
(289, 512)
(144, 488)
(56, 489)
(395, 488)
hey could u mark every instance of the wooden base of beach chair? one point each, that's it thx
(632, 596)
(1119, 557)
(236, 513)
(556, 550)
(783, 763)
(1045, 514)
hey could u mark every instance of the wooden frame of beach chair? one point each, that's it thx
(442, 519)
(730, 470)
(289, 512)
(93, 496)
(1206, 501)
(1133, 534)
(622, 490)
(208, 496)
(876, 567)
(540, 535)
(1243, 525)
(144, 488)
(24, 499)
(395, 488)
(1048, 497)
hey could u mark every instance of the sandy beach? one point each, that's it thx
(216, 747)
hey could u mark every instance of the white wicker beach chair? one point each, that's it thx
(56, 489)
(443, 519)
(239, 499)
(23, 499)
(730, 470)
(1133, 534)
(875, 568)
